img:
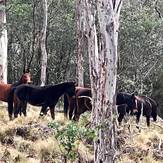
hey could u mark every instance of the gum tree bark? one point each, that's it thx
(80, 27)
(102, 27)
(43, 43)
(3, 43)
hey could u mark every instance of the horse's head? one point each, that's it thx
(71, 89)
(26, 77)
(132, 103)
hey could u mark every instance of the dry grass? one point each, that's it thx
(24, 140)
(144, 145)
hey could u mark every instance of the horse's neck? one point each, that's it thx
(60, 89)
(17, 83)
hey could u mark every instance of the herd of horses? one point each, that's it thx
(77, 100)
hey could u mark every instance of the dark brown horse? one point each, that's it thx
(81, 107)
(146, 106)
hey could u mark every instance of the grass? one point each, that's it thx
(28, 140)
(144, 145)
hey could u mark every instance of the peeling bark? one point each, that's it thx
(3, 43)
(102, 34)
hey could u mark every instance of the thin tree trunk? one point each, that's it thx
(103, 18)
(3, 43)
(43, 44)
(80, 18)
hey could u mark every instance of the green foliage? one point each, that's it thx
(157, 93)
(69, 136)
(24, 22)
(140, 47)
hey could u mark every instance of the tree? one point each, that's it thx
(80, 25)
(103, 24)
(140, 46)
(43, 43)
(3, 43)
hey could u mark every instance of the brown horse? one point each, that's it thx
(5, 89)
(83, 96)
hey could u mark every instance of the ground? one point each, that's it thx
(30, 140)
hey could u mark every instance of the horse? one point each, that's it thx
(5, 89)
(125, 105)
(84, 103)
(148, 107)
(44, 96)
(81, 102)
(121, 98)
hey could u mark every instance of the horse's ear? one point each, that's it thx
(27, 70)
(24, 70)
(75, 83)
(133, 95)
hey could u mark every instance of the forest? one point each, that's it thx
(110, 50)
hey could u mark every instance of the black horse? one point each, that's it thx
(125, 105)
(46, 96)
(146, 106)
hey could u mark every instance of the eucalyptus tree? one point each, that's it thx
(3, 43)
(43, 42)
(103, 24)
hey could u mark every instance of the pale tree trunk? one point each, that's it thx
(80, 25)
(103, 24)
(3, 43)
(43, 44)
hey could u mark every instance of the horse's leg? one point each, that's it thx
(52, 112)
(16, 109)
(44, 110)
(71, 109)
(120, 117)
(66, 105)
(24, 108)
(148, 120)
(154, 114)
(138, 117)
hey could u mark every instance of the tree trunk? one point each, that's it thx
(3, 43)
(80, 25)
(43, 44)
(103, 23)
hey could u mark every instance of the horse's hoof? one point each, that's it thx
(15, 116)
(41, 114)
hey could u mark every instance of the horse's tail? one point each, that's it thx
(66, 104)
(10, 101)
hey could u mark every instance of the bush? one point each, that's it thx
(69, 137)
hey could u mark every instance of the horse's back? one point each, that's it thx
(4, 91)
(81, 91)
